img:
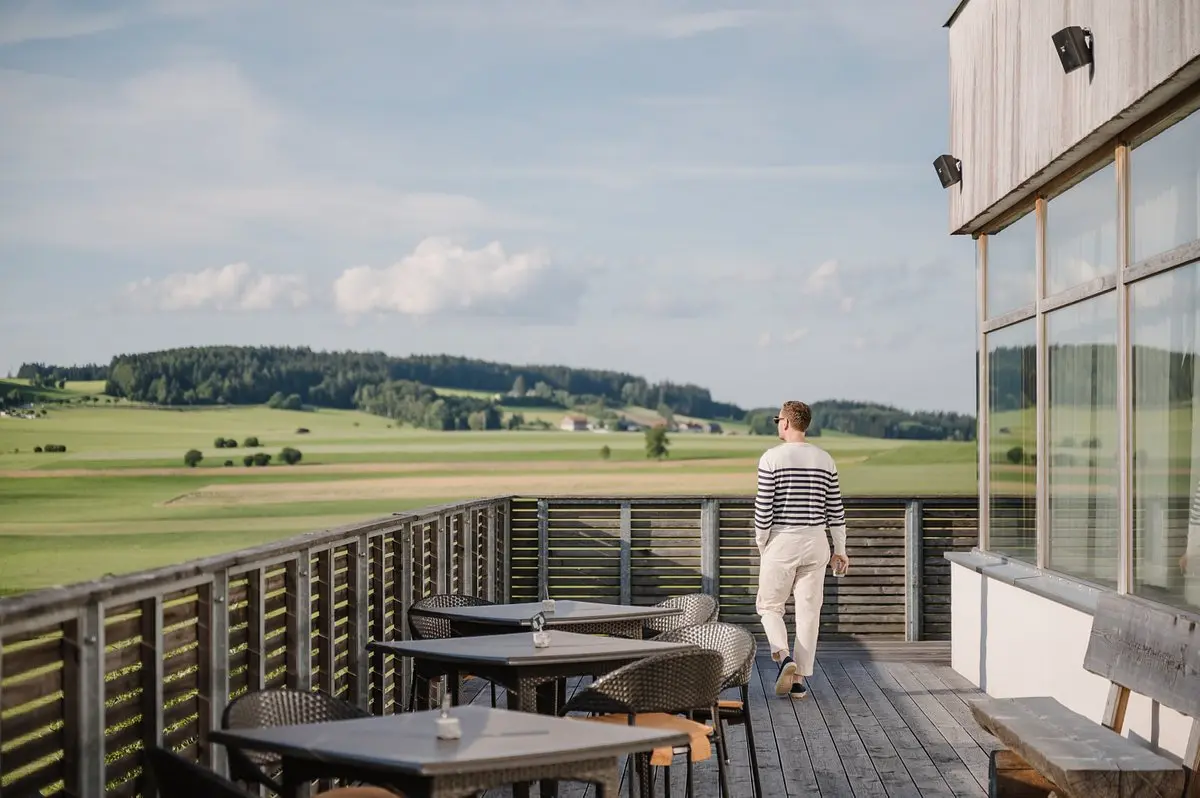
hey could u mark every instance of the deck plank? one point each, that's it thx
(921, 769)
(958, 776)
(883, 718)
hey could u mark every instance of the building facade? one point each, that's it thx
(1081, 187)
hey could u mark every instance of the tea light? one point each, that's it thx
(547, 605)
(448, 727)
(541, 639)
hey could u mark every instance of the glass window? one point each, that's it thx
(1165, 331)
(1012, 438)
(1012, 266)
(1164, 177)
(1081, 365)
(1081, 232)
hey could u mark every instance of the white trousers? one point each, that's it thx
(793, 563)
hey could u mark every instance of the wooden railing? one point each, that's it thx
(642, 550)
(91, 673)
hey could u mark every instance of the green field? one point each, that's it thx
(120, 498)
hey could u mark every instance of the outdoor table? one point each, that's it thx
(498, 747)
(512, 660)
(584, 617)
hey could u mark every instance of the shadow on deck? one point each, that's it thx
(882, 718)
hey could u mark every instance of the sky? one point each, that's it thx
(735, 194)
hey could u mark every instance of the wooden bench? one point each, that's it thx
(1052, 750)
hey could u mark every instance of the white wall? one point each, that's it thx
(1010, 642)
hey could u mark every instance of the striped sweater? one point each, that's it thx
(798, 489)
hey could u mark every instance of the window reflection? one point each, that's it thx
(1081, 232)
(1012, 440)
(1164, 179)
(1082, 472)
(1165, 333)
(1012, 266)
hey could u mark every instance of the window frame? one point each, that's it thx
(1118, 152)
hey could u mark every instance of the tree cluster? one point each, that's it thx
(873, 420)
(255, 375)
(41, 374)
(421, 406)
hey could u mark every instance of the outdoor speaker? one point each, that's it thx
(949, 170)
(1074, 47)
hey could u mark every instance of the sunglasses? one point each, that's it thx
(777, 418)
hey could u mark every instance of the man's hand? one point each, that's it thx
(839, 562)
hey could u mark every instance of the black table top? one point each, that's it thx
(492, 739)
(517, 650)
(566, 611)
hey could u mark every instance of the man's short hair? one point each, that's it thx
(798, 414)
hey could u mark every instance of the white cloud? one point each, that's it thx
(660, 19)
(826, 280)
(36, 20)
(442, 276)
(793, 336)
(790, 337)
(235, 287)
(824, 277)
(188, 154)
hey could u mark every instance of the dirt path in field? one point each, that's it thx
(733, 464)
(590, 482)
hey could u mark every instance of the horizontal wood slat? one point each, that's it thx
(666, 545)
(159, 652)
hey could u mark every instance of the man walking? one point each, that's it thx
(798, 497)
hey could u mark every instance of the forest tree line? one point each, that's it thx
(404, 389)
(1085, 375)
(873, 420)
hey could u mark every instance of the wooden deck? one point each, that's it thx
(882, 719)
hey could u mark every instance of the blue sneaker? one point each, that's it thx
(787, 676)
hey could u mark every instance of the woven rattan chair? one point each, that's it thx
(423, 625)
(175, 777)
(654, 692)
(737, 648)
(696, 608)
(277, 707)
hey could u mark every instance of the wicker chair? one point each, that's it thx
(176, 777)
(173, 776)
(423, 625)
(696, 608)
(654, 692)
(738, 648)
(277, 707)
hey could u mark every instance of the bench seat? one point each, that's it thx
(1081, 757)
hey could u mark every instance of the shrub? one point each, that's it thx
(228, 463)
(192, 458)
(1015, 455)
(262, 458)
(290, 456)
(302, 431)
(605, 452)
(37, 449)
(248, 460)
(54, 447)
(251, 442)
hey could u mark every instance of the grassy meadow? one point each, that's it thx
(120, 499)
